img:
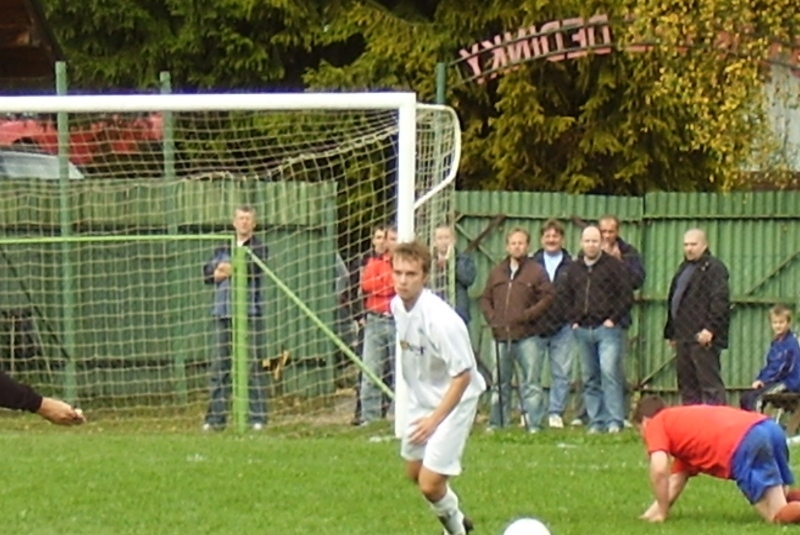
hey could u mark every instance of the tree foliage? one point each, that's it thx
(676, 117)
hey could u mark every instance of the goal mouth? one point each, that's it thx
(131, 323)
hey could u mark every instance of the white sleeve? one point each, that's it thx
(452, 338)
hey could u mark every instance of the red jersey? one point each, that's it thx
(700, 438)
(377, 284)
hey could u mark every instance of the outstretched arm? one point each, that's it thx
(666, 487)
(17, 396)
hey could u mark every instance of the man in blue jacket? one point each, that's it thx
(218, 271)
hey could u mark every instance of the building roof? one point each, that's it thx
(28, 47)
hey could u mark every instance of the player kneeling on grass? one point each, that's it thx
(722, 442)
(14, 395)
(439, 369)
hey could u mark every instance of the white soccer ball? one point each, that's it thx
(526, 526)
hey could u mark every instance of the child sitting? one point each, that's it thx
(781, 370)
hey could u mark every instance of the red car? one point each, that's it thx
(90, 141)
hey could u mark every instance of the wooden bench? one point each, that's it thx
(785, 402)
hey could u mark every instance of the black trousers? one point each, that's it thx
(699, 377)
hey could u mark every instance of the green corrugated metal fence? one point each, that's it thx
(140, 305)
(757, 235)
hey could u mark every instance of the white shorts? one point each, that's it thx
(442, 453)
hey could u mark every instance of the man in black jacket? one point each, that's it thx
(16, 396)
(698, 318)
(600, 296)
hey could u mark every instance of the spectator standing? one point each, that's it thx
(377, 285)
(378, 247)
(516, 296)
(600, 296)
(623, 251)
(218, 272)
(698, 319)
(555, 340)
(444, 254)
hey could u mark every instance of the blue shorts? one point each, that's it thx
(761, 460)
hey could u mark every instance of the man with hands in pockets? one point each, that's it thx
(438, 367)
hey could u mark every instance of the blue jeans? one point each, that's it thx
(378, 357)
(220, 387)
(558, 347)
(524, 354)
(601, 351)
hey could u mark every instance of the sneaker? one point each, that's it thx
(533, 430)
(257, 426)
(614, 429)
(555, 422)
(468, 526)
(593, 431)
(491, 429)
(212, 427)
(577, 422)
(627, 424)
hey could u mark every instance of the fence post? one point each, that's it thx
(171, 189)
(67, 277)
(240, 345)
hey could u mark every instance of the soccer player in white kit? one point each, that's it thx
(439, 369)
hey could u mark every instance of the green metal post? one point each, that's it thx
(441, 82)
(241, 348)
(179, 335)
(67, 278)
(330, 234)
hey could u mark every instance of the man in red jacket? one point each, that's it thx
(377, 285)
(14, 395)
(722, 442)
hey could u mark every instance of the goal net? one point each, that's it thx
(123, 285)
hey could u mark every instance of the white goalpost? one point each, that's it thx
(104, 265)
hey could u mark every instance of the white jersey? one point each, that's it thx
(435, 347)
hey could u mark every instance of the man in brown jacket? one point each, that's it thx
(517, 294)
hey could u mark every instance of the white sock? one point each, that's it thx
(449, 514)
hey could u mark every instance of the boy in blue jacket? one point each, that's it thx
(781, 371)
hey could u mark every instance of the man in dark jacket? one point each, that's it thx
(218, 271)
(516, 296)
(698, 319)
(555, 340)
(464, 271)
(16, 396)
(600, 295)
(623, 251)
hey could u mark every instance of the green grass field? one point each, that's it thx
(101, 480)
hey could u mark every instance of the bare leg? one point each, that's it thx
(443, 501)
(773, 507)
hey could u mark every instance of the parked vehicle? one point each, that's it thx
(23, 164)
(90, 142)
